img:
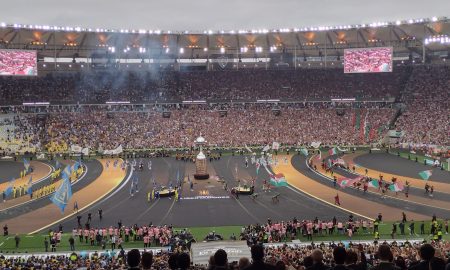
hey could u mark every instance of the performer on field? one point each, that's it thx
(336, 200)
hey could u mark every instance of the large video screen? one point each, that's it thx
(18, 63)
(368, 60)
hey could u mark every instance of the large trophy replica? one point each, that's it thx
(200, 163)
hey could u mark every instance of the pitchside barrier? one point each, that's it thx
(84, 254)
(346, 243)
(201, 251)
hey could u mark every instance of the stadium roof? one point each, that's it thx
(180, 15)
(409, 36)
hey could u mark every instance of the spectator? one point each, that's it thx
(147, 260)
(183, 261)
(258, 263)
(317, 256)
(339, 255)
(244, 262)
(133, 259)
(426, 253)
(220, 260)
(385, 258)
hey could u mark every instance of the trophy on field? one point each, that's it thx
(201, 172)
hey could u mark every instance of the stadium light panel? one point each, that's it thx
(181, 50)
(205, 49)
(222, 50)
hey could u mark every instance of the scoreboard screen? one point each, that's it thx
(18, 63)
(367, 60)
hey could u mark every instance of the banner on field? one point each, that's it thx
(278, 180)
(395, 133)
(275, 145)
(76, 148)
(316, 144)
(116, 151)
(202, 251)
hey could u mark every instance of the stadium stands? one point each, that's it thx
(138, 87)
(251, 125)
(426, 119)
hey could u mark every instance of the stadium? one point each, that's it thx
(321, 147)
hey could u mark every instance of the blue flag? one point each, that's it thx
(62, 194)
(67, 172)
(10, 187)
(30, 185)
(76, 166)
(26, 164)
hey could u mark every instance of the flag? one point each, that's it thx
(357, 119)
(339, 161)
(266, 148)
(332, 151)
(278, 180)
(319, 156)
(425, 174)
(373, 183)
(63, 194)
(304, 151)
(346, 182)
(26, 164)
(395, 187)
(30, 185)
(75, 166)
(429, 162)
(329, 163)
(67, 172)
(10, 187)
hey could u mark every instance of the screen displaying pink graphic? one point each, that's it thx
(18, 63)
(367, 60)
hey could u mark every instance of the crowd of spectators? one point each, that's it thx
(332, 256)
(426, 119)
(146, 86)
(423, 89)
(250, 125)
